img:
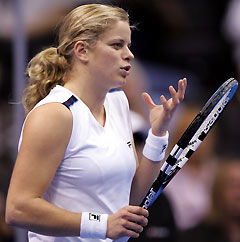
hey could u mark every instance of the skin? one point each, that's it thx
(94, 72)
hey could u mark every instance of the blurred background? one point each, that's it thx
(199, 40)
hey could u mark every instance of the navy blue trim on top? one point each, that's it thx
(115, 90)
(70, 101)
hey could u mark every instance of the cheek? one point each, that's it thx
(110, 59)
(109, 55)
(105, 62)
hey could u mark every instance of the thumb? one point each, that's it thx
(148, 100)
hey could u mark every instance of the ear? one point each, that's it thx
(81, 51)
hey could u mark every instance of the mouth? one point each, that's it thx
(126, 69)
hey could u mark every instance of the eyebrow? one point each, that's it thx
(122, 41)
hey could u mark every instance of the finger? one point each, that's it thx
(182, 84)
(148, 100)
(139, 219)
(133, 226)
(130, 233)
(164, 103)
(174, 95)
(138, 210)
(136, 217)
(163, 99)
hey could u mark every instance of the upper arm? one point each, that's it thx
(45, 137)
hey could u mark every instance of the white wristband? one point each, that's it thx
(93, 225)
(155, 146)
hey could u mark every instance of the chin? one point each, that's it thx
(119, 82)
(123, 82)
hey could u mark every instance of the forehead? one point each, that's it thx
(117, 30)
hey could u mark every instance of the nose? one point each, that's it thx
(128, 55)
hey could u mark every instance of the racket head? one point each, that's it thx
(226, 90)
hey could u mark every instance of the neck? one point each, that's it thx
(89, 92)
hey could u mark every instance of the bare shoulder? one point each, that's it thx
(49, 122)
(46, 134)
(50, 111)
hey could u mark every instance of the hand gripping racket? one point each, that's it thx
(191, 139)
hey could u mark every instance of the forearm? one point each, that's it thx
(156, 143)
(149, 168)
(39, 216)
(145, 175)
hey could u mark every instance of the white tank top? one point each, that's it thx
(96, 172)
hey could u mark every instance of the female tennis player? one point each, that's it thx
(76, 176)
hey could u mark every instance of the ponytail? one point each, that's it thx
(45, 71)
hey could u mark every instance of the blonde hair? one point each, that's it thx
(47, 68)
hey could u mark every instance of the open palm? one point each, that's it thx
(160, 115)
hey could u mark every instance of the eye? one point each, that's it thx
(117, 45)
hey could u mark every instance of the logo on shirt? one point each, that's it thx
(129, 144)
(94, 217)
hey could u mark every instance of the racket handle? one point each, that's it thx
(157, 187)
(149, 198)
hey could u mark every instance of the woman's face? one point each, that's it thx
(109, 60)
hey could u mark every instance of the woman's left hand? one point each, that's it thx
(160, 115)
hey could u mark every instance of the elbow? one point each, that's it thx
(13, 214)
(10, 216)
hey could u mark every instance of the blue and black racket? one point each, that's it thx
(191, 139)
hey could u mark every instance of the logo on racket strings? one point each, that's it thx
(149, 199)
(215, 115)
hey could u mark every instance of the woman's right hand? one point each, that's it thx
(128, 221)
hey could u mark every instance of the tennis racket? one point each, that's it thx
(191, 139)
